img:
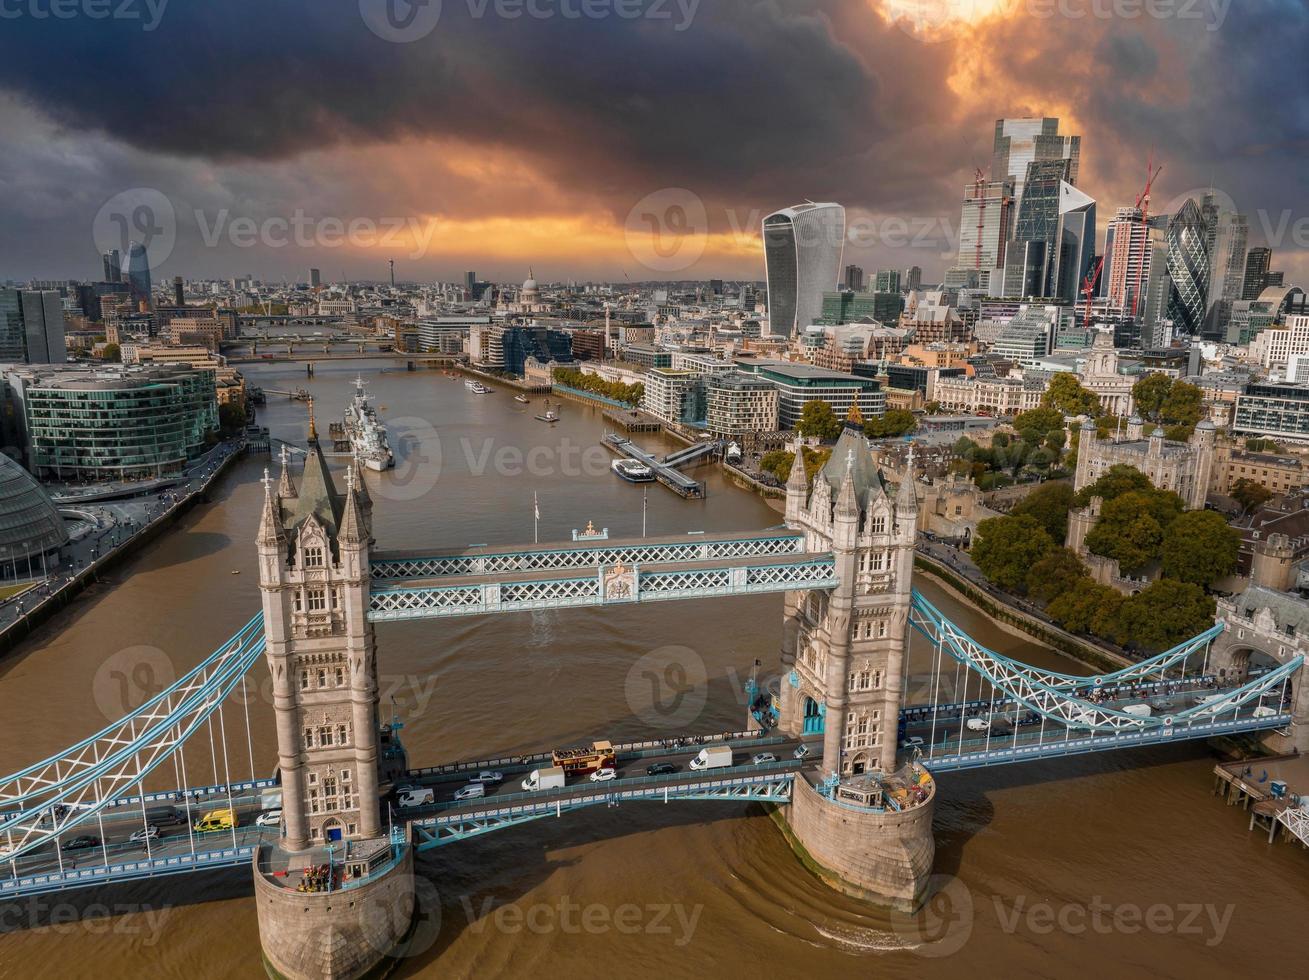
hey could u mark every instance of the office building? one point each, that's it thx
(1074, 243)
(985, 227)
(1029, 336)
(1279, 411)
(32, 327)
(1031, 255)
(179, 292)
(1257, 262)
(887, 281)
(799, 384)
(1188, 269)
(854, 278)
(137, 273)
(676, 397)
(847, 307)
(803, 246)
(315, 278)
(1227, 272)
(113, 266)
(119, 423)
(1021, 142)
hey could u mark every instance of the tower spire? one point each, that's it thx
(313, 429)
(271, 532)
(285, 488)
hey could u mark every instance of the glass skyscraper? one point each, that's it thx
(803, 246)
(1021, 142)
(138, 272)
(1188, 269)
(1031, 254)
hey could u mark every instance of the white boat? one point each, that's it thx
(476, 387)
(367, 433)
(550, 414)
(522, 399)
(633, 471)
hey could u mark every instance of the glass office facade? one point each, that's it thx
(29, 523)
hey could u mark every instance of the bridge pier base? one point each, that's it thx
(347, 934)
(882, 857)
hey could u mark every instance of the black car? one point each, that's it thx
(81, 843)
(661, 769)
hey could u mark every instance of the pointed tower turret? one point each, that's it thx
(353, 531)
(797, 485)
(285, 486)
(906, 499)
(272, 535)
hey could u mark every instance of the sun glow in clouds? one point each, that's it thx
(928, 18)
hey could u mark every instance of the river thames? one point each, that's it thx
(1119, 864)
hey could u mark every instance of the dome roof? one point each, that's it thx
(529, 284)
(29, 522)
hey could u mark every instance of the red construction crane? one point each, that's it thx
(979, 192)
(1088, 288)
(1143, 205)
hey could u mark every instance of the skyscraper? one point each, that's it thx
(887, 281)
(1227, 273)
(803, 246)
(985, 225)
(315, 278)
(1020, 142)
(138, 273)
(113, 266)
(32, 326)
(914, 278)
(1074, 247)
(13, 342)
(1188, 267)
(1031, 255)
(1257, 263)
(854, 278)
(179, 292)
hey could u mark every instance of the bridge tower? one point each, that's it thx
(333, 755)
(843, 663)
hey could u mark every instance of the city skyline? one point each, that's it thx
(496, 173)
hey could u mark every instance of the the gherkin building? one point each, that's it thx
(1188, 268)
(29, 523)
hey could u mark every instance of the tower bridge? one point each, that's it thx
(848, 760)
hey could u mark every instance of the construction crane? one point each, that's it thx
(1143, 205)
(979, 193)
(1088, 288)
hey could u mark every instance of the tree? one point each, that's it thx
(1183, 406)
(1068, 396)
(1150, 393)
(1057, 573)
(231, 418)
(1118, 481)
(1039, 421)
(1131, 527)
(1167, 613)
(896, 422)
(779, 462)
(1084, 606)
(933, 408)
(1005, 548)
(818, 419)
(111, 352)
(1250, 495)
(1049, 504)
(1199, 547)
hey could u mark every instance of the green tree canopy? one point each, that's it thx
(778, 462)
(1005, 548)
(1039, 421)
(1199, 547)
(1068, 396)
(1131, 527)
(1167, 613)
(896, 422)
(1049, 504)
(1086, 608)
(1150, 393)
(1057, 573)
(818, 419)
(1118, 481)
(1249, 494)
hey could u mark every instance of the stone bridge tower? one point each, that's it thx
(314, 578)
(843, 675)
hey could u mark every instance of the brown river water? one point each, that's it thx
(1115, 865)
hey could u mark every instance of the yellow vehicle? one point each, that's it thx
(216, 820)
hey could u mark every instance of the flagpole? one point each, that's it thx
(645, 500)
(536, 518)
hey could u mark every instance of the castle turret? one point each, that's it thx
(1273, 564)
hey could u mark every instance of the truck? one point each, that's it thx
(542, 779)
(714, 757)
(582, 762)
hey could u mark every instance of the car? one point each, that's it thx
(144, 834)
(488, 776)
(81, 843)
(269, 818)
(763, 757)
(801, 752)
(913, 742)
(473, 791)
(660, 769)
(604, 775)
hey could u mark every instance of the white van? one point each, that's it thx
(1263, 711)
(977, 725)
(473, 791)
(416, 796)
(1138, 710)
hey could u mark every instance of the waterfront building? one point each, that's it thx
(741, 404)
(799, 384)
(1186, 468)
(112, 423)
(802, 251)
(675, 397)
(30, 525)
